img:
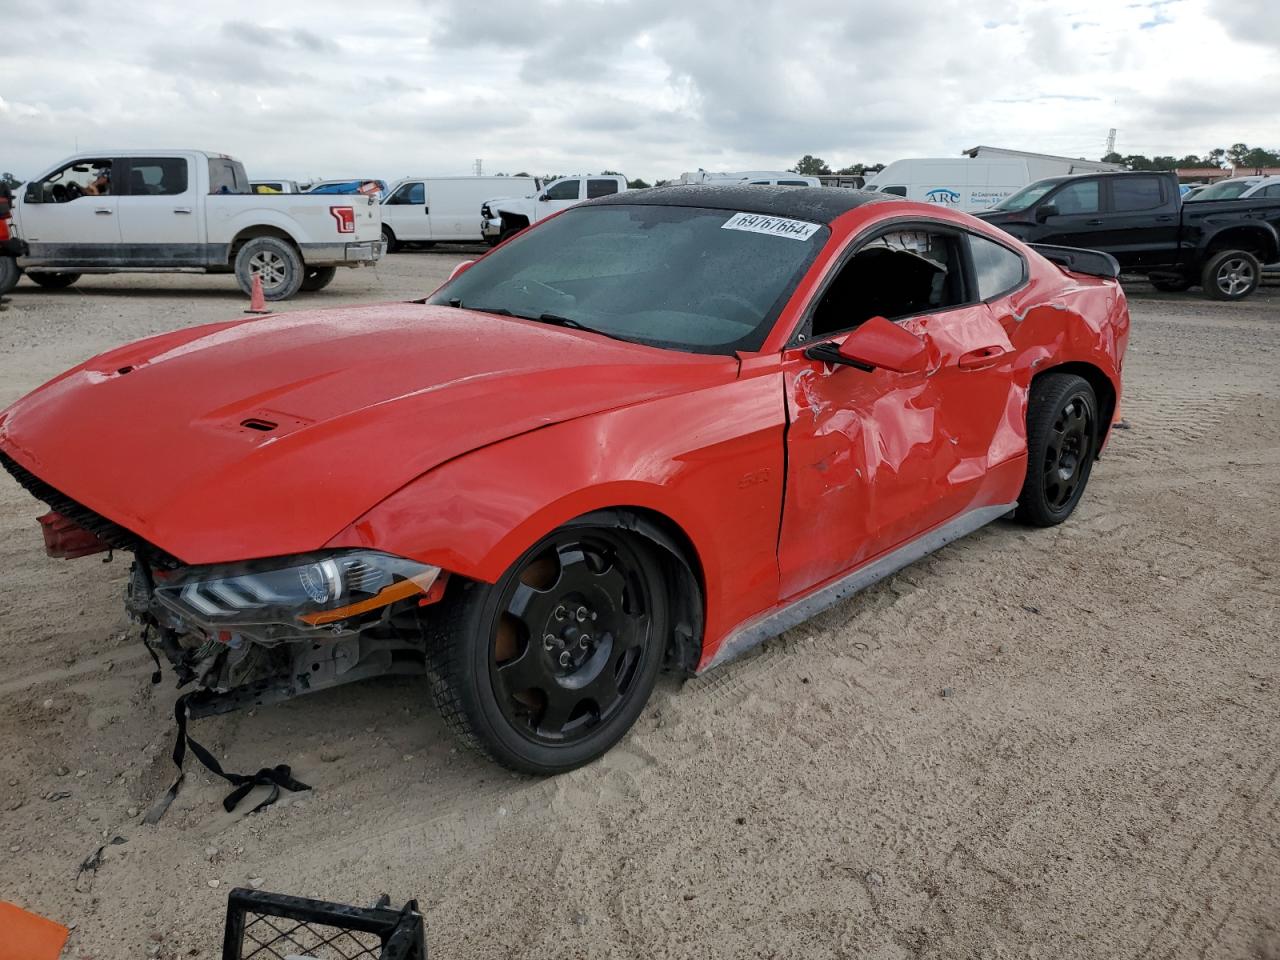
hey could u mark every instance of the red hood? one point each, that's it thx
(363, 401)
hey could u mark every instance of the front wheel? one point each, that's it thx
(546, 670)
(1062, 441)
(318, 278)
(1231, 275)
(276, 261)
(10, 274)
(54, 281)
(389, 240)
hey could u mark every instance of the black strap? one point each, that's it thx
(157, 674)
(274, 777)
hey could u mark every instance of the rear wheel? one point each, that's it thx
(54, 281)
(1231, 275)
(318, 278)
(548, 668)
(1062, 440)
(276, 261)
(10, 273)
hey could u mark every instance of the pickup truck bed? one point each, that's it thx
(1140, 219)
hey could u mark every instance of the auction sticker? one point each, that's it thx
(773, 226)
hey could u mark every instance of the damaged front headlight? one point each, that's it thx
(294, 599)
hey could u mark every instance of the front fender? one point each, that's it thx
(709, 461)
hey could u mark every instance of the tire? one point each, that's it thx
(317, 278)
(1062, 442)
(1179, 285)
(389, 238)
(10, 274)
(279, 263)
(54, 281)
(510, 671)
(1231, 275)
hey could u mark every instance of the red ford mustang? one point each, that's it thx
(655, 429)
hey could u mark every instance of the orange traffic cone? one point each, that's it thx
(257, 302)
(27, 936)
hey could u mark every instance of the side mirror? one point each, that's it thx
(543, 198)
(460, 269)
(33, 194)
(1045, 211)
(876, 343)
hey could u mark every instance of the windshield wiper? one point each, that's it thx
(559, 321)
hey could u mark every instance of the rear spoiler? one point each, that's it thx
(1093, 263)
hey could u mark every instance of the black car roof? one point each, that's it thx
(814, 204)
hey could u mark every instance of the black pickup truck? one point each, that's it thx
(1139, 218)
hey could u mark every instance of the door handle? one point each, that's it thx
(982, 357)
(426, 211)
(1165, 219)
(1093, 223)
(181, 209)
(102, 212)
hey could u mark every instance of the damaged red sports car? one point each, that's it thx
(653, 430)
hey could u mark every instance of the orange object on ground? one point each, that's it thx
(25, 936)
(257, 301)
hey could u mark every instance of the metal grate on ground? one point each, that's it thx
(273, 926)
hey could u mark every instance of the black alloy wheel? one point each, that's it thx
(548, 668)
(1062, 443)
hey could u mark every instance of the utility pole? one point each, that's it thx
(479, 167)
(1111, 142)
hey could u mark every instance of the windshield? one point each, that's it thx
(688, 278)
(1223, 190)
(1028, 196)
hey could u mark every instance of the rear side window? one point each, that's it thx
(996, 269)
(155, 177)
(793, 183)
(227, 176)
(1135, 193)
(1272, 192)
(896, 191)
(601, 188)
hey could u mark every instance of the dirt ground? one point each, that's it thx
(1101, 780)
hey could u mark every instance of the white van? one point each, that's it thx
(961, 184)
(762, 178)
(432, 209)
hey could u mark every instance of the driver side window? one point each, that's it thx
(1077, 198)
(564, 190)
(411, 194)
(896, 275)
(79, 179)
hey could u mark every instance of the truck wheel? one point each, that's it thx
(549, 667)
(276, 261)
(1231, 275)
(1062, 441)
(389, 238)
(54, 281)
(10, 273)
(1172, 285)
(318, 278)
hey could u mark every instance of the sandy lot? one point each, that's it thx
(1102, 782)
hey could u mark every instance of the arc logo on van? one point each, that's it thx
(943, 196)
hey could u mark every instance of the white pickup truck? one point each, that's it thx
(502, 217)
(147, 211)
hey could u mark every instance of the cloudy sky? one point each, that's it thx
(324, 89)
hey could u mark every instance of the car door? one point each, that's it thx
(159, 211)
(407, 213)
(1139, 220)
(559, 196)
(1075, 218)
(877, 458)
(64, 224)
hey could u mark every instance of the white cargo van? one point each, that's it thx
(961, 184)
(428, 210)
(763, 178)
